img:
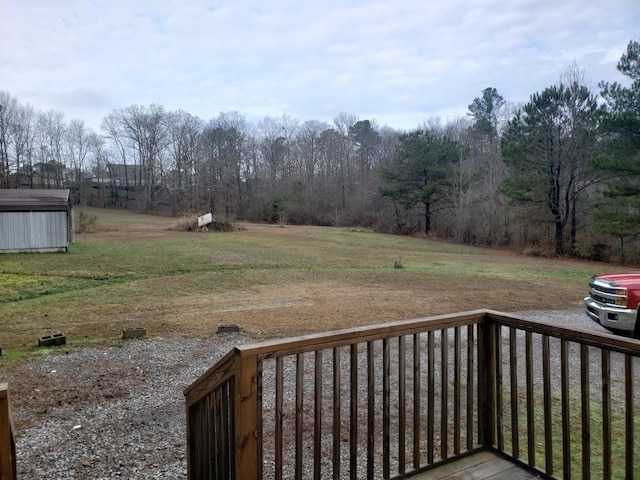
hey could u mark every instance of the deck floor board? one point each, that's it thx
(479, 466)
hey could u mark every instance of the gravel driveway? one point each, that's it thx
(119, 412)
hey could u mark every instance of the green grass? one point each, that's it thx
(618, 427)
(137, 269)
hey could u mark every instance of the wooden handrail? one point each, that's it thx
(426, 396)
(7, 437)
(350, 336)
(609, 341)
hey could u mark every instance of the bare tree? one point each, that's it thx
(184, 131)
(140, 133)
(52, 131)
(343, 121)
(309, 137)
(78, 147)
(24, 134)
(99, 160)
(485, 214)
(8, 106)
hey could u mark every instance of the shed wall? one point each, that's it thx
(28, 231)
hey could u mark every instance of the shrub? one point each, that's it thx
(275, 213)
(186, 224)
(224, 224)
(534, 251)
(87, 223)
(190, 224)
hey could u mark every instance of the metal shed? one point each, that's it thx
(35, 221)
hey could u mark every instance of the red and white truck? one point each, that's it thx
(613, 302)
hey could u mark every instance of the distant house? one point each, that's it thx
(35, 220)
(35, 180)
(125, 176)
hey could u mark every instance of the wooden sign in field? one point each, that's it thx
(205, 220)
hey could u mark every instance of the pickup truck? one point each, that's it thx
(613, 302)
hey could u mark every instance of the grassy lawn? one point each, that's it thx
(618, 426)
(271, 280)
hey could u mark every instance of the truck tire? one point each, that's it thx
(636, 329)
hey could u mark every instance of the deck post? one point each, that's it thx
(487, 381)
(7, 442)
(246, 412)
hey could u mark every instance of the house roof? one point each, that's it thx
(123, 170)
(24, 200)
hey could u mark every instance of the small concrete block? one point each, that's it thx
(134, 332)
(228, 329)
(54, 340)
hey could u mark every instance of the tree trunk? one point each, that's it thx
(574, 227)
(427, 217)
(558, 236)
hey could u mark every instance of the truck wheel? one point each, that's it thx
(636, 329)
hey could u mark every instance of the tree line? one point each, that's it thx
(559, 174)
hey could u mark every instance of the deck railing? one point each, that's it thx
(7, 439)
(386, 401)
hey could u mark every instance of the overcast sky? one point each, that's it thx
(399, 62)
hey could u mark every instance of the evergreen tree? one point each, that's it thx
(546, 148)
(619, 212)
(484, 111)
(421, 171)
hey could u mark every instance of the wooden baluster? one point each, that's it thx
(402, 398)
(386, 406)
(606, 414)
(299, 414)
(444, 393)
(513, 375)
(531, 422)
(629, 427)
(566, 419)
(586, 411)
(546, 388)
(371, 410)
(456, 391)
(471, 373)
(337, 405)
(430, 398)
(417, 396)
(279, 415)
(317, 420)
(353, 413)
(499, 388)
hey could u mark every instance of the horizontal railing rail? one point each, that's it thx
(7, 437)
(389, 400)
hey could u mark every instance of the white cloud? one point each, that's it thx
(400, 61)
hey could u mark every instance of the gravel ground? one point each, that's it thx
(119, 412)
(124, 416)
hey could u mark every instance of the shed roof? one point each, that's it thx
(21, 200)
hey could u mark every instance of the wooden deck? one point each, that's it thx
(483, 465)
(419, 399)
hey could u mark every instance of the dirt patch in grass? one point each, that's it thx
(312, 306)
